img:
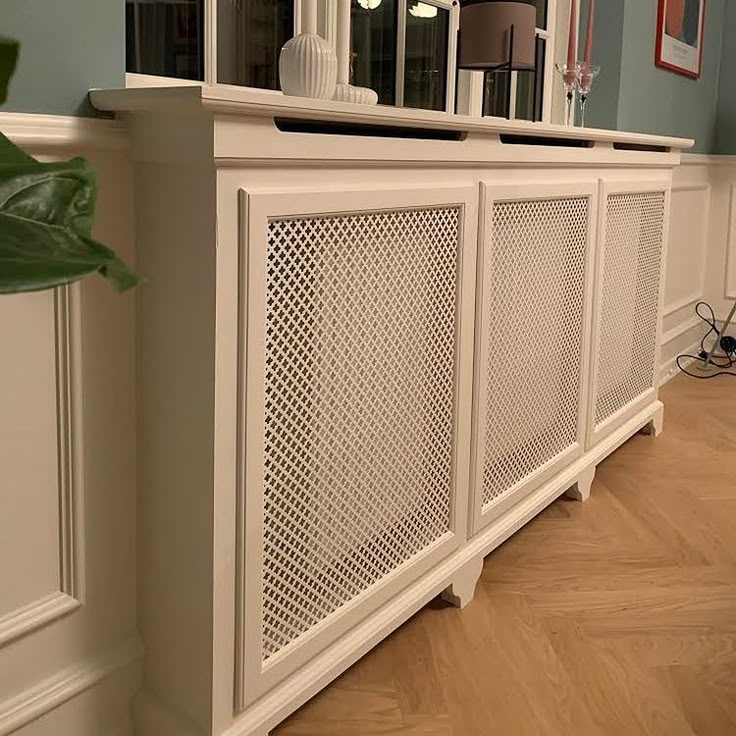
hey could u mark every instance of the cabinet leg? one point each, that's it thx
(581, 490)
(655, 426)
(462, 589)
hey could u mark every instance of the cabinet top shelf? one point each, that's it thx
(221, 99)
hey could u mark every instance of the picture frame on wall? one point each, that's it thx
(679, 47)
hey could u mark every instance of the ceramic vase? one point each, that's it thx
(308, 67)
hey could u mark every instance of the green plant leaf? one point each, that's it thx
(11, 154)
(35, 256)
(9, 49)
(46, 214)
(58, 193)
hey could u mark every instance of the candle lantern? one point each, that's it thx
(498, 35)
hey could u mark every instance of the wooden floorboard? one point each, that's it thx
(613, 617)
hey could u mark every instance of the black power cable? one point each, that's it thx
(726, 343)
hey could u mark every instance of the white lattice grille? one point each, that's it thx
(630, 300)
(360, 393)
(535, 282)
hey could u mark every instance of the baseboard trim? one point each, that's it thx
(668, 370)
(152, 715)
(52, 132)
(293, 692)
(39, 699)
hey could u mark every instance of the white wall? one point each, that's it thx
(69, 651)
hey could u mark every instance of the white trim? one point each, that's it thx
(680, 330)
(669, 369)
(60, 131)
(39, 699)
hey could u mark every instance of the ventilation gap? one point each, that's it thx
(325, 127)
(512, 139)
(641, 147)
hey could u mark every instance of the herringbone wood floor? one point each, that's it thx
(613, 617)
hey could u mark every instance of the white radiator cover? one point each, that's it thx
(377, 358)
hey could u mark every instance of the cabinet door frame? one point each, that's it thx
(481, 515)
(256, 207)
(595, 434)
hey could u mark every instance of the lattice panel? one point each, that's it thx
(630, 300)
(360, 398)
(535, 285)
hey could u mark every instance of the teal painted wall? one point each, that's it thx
(726, 117)
(607, 49)
(655, 100)
(67, 47)
(634, 94)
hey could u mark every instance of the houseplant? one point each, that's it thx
(46, 215)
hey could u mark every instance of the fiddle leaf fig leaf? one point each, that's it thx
(46, 213)
(8, 59)
(11, 154)
(35, 256)
(57, 193)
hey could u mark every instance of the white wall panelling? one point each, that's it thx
(281, 351)
(67, 547)
(700, 253)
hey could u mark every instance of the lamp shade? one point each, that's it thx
(485, 34)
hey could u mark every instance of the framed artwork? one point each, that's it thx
(680, 26)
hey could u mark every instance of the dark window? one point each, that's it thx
(165, 37)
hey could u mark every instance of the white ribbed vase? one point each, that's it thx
(308, 67)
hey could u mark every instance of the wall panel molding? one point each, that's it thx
(730, 285)
(39, 699)
(698, 294)
(70, 595)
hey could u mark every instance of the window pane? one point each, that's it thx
(165, 37)
(541, 13)
(373, 45)
(250, 35)
(495, 94)
(530, 88)
(425, 73)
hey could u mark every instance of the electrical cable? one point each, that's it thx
(727, 344)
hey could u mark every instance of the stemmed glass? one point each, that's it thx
(569, 82)
(586, 73)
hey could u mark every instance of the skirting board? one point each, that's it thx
(153, 718)
(31, 704)
(669, 369)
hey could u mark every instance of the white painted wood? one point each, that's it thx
(71, 605)
(213, 174)
(598, 429)
(244, 101)
(34, 702)
(581, 490)
(655, 426)
(462, 588)
(257, 210)
(543, 420)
